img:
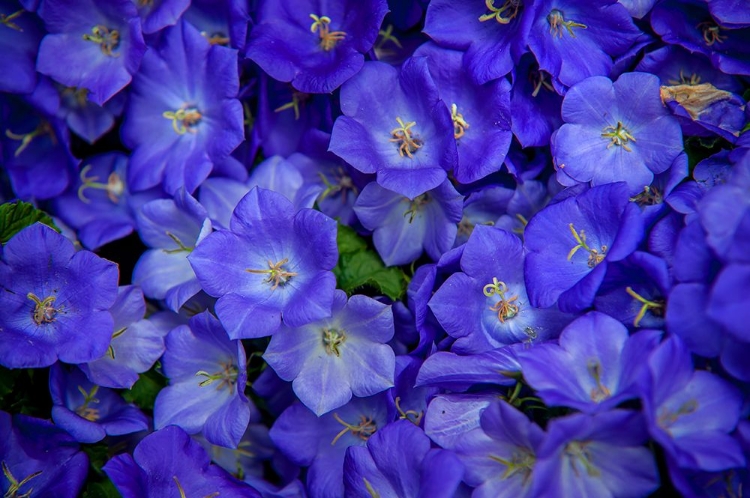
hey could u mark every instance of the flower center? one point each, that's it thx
(504, 308)
(114, 186)
(332, 340)
(557, 22)
(44, 128)
(44, 312)
(217, 38)
(711, 32)
(7, 20)
(108, 40)
(540, 79)
(521, 462)
(85, 411)
(226, 377)
(416, 205)
(184, 119)
(342, 184)
(595, 257)
(407, 144)
(510, 8)
(15, 485)
(667, 417)
(694, 79)
(412, 416)
(618, 135)
(276, 273)
(363, 430)
(656, 307)
(577, 452)
(328, 39)
(650, 196)
(600, 392)
(459, 123)
(297, 99)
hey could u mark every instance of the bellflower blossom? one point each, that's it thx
(272, 264)
(403, 227)
(54, 301)
(315, 45)
(92, 45)
(570, 243)
(207, 373)
(616, 132)
(406, 138)
(183, 115)
(331, 359)
(20, 34)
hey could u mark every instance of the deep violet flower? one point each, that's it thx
(37, 458)
(595, 367)
(183, 115)
(158, 14)
(92, 45)
(89, 412)
(315, 45)
(223, 22)
(485, 306)
(398, 462)
(333, 358)
(20, 34)
(403, 227)
(207, 375)
(570, 243)
(169, 463)
(272, 264)
(406, 138)
(54, 301)
(616, 132)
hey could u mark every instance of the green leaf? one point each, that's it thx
(15, 216)
(98, 455)
(360, 267)
(104, 489)
(144, 391)
(7, 381)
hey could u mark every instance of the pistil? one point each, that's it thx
(619, 136)
(108, 40)
(328, 39)
(184, 119)
(595, 256)
(459, 123)
(363, 430)
(44, 311)
(504, 308)
(276, 273)
(711, 32)
(332, 340)
(407, 144)
(557, 22)
(114, 186)
(510, 8)
(646, 305)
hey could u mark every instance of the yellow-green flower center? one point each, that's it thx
(107, 39)
(328, 39)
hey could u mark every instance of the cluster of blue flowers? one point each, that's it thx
(385, 248)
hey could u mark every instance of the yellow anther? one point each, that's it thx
(227, 376)
(646, 305)
(297, 99)
(184, 119)
(328, 38)
(595, 256)
(557, 22)
(694, 79)
(711, 32)
(504, 308)
(108, 40)
(385, 36)
(85, 411)
(459, 123)
(276, 273)
(510, 7)
(8, 20)
(402, 135)
(332, 340)
(114, 186)
(618, 135)
(44, 311)
(363, 430)
(216, 38)
(15, 485)
(540, 79)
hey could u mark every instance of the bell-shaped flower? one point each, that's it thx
(570, 243)
(92, 45)
(406, 138)
(19, 45)
(333, 358)
(315, 46)
(207, 375)
(402, 228)
(183, 115)
(616, 132)
(169, 463)
(54, 301)
(273, 263)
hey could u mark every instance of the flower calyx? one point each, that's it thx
(14, 490)
(557, 22)
(184, 119)
(619, 135)
(333, 339)
(114, 186)
(44, 311)
(276, 273)
(328, 39)
(656, 307)
(595, 256)
(505, 308)
(107, 39)
(407, 144)
(510, 8)
(363, 430)
(226, 377)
